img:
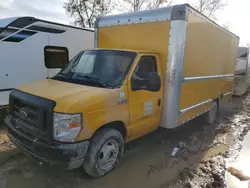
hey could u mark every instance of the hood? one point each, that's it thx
(73, 98)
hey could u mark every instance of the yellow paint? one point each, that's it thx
(190, 114)
(110, 37)
(140, 123)
(204, 55)
(212, 53)
(125, 37)
(98, 105)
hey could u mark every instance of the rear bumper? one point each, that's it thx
(64, 155)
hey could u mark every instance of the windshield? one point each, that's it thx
(101, 68)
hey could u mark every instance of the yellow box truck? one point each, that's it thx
(155, 68)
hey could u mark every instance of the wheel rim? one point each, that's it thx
(213, 112)
(108, 154)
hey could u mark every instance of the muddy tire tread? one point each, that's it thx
(90, 164)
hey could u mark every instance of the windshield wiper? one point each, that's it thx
(60, 76)
(93, 80)
(88, 77)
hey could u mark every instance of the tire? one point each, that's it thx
(212, 114)
(106, 149)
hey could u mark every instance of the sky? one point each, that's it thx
(234, 15)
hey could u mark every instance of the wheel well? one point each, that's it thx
(117, 125)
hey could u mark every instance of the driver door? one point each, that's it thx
(144, 105)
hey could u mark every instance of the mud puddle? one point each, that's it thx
(241, 171)
(222, 148)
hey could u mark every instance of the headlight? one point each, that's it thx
(67, 126)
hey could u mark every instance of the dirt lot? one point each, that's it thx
(200, 161)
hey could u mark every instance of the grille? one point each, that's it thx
(26, 113)
(32, 114)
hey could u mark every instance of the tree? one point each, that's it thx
(207, 7)
(210, 7)
(137, 5)
(85, 12)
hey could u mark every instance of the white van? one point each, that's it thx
(32, 49)
(242, 72)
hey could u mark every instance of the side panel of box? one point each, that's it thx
(209, 63)
(153, 36)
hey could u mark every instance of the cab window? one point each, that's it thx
(146, 65)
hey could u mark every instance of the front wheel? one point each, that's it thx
(106, 148)
(212, 114)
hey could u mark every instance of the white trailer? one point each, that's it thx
(242, 72)
(33, 49)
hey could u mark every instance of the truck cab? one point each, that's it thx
(100, 100)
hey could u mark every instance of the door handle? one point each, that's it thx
(159, 102)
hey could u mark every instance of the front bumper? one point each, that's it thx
(65, 155)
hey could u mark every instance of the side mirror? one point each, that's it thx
(154, 82)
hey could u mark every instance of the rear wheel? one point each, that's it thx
(106, 148)
(212, 114)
